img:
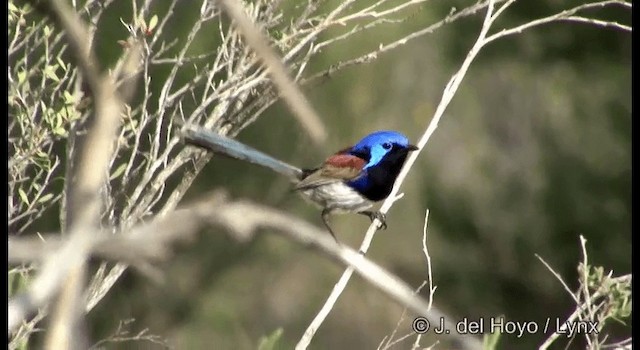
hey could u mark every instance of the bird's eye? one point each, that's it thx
(386, 145)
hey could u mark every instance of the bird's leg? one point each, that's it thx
(376, 215)
(325, 220)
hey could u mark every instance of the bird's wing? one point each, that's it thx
(339, 167)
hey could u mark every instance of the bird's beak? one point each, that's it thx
(412, 148)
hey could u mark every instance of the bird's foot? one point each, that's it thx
(376, 215)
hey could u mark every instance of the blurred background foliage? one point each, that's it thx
(534, 150)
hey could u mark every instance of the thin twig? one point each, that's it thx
(386, 341)
(432, 289)
(588, 300)
(557, 275)
(372, 55)
(296, 101)
(565, 15)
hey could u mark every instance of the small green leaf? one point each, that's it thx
(118, 171)
(64, 113)
(26, 8)
(12, 7)
(153, 22)
(47, 31)
(269, 342)
(47, 197)
(40, 153)
(60, 131)
(23, 196)
(58, 119)
(61, 63)
(22, 75)
(132, 125)
(50, 73)
(68, 98)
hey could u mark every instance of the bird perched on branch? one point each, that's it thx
(350, 181)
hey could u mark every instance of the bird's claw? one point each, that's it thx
(381, 217)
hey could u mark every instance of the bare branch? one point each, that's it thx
(597, 22)
(567, 15)
(386, 342)
(242, 219)
(557, 275)
(290, 92)
(122, 334)
(432, 288)
(372, 55)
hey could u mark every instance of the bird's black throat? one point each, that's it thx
(382, 176)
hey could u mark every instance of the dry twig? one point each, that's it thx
(241, 219)
(292, 95)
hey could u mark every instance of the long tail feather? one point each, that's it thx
(232, 148)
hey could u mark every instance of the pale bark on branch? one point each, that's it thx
(241, 220)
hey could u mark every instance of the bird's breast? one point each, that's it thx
(337, 197)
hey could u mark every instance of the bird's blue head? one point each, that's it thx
(375, 146)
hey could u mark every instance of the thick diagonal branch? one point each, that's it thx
(241, 219)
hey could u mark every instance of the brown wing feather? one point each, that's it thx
(339, 167)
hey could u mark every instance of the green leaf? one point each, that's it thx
(153, 22)
(60, 131)
(269, 342)
(26, 8)
(118, 171)
(50, 73)
(23, 196)
(131, 125)
(40, 153)
(68, 98)
(12, 7)
(22, 75)
(58, 120)
(47, 197)
(61, 63)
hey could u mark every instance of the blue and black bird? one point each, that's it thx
(350, 181)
